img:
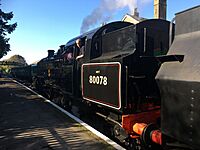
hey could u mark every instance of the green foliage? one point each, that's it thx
(5, 29)
(17, 59)
(5, 69)
(12, 62)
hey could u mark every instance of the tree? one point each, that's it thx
(5, 29)
(12, 62)
(18, 60)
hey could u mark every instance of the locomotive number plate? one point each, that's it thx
(101, 83)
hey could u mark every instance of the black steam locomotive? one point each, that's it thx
(119, 78)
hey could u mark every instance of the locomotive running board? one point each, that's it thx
(164, 58)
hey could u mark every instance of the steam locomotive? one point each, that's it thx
(121, 78)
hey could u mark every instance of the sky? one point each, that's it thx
(47, 24)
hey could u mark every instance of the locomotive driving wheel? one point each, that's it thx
(61, 99)
(48, 93)
(58, 97)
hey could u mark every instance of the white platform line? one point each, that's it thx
(105, 138)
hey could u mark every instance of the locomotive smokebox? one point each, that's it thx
(50, 53)
(180, 82)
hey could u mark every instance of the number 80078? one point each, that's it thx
(100, 80)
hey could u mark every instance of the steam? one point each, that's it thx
(107, 8)
(105, 11)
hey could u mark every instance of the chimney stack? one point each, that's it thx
(50, 53)
(136, 13)
(160, 9)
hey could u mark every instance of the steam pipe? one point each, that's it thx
(145, 39)
(126, 69)
(171, 31)
(108, 118)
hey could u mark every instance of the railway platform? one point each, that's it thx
(28, 122)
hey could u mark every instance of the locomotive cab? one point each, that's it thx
(119, 79)
(120, 74)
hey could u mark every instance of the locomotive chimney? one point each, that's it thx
(50, 53)
(136, 13)
(160, 9)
